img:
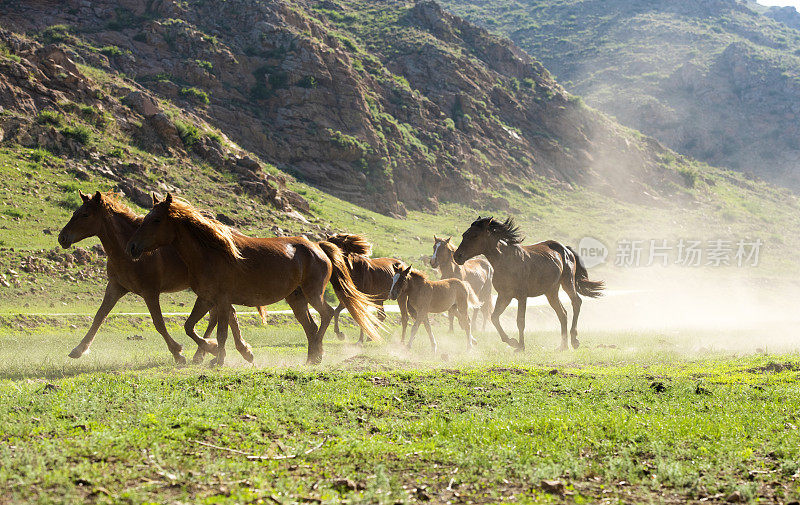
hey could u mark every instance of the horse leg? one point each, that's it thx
(174, 347)
(112, 295)
(434, 345)
(451, 314)
(299, 305)
(223, 312)
(561, 312)
(204, 345)
(336, 313)
(466, 324)
(315, 297)
(402, 302)
(243, 347)
(487, 303)
(575, 299)
(522, 305)
(500, 306)
(414, 329)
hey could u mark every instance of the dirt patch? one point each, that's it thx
(775, 368)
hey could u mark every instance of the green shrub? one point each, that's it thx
(188, 132)
(117, 152)
(80, 133)
(195, 95)
(6, 53)
(205, 65)
(450, 124)
(39, 154)
(55, 34)
(111, 51)
(50, 117)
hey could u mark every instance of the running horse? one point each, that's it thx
(113, 223)
(525, 271)
(226, 268)
(372, 276)
(476, 271)
(412, 287)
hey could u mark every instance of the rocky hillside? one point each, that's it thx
(715, 79)
(387, 104)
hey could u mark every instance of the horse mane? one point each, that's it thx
(418, 274)
(114, 205)
(507, 230)
(207, 230)
(352, 244)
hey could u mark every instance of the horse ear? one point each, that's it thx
(448, 240)
(435, 238)
(168, 199)
(155, 199)
(83, 196)
(408, 269)
(98, 196)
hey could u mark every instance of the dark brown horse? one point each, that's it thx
(412, 287)
(476, 271)
(372, 276)
(226, 268)
(163, 271)
(524, 271)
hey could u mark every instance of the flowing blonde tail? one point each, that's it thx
(262, 312)
(472, 298)
(356, 302)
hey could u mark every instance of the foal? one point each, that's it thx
(372, 276)
(477, 271)
(412, 287)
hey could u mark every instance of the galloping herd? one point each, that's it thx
(176, 246)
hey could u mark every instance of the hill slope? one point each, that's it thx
(385, 104)
(713, 79)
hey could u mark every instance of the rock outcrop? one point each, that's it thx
(386, 104)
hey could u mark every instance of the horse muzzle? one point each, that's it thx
(64, 241)
(458, 258)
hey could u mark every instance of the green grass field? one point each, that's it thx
(629, 417)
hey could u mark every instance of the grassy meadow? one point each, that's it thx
(630, 416)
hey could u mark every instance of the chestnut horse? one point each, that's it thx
(226, 268)
(113, 223)
(525, 271)
(477, 271)
(429, 297)
(372, 276)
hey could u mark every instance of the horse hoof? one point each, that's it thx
(179, 359)
(472, 342)
(247, 354)
(340, 335)
(198, 357)
(512, 342)
(314, 360)
(520, 348)
(210, 346)
(77, 353)
(563, 347)
(575, 343)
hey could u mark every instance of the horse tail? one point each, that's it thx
(356, 302)
(262, 312)
(585, 287)
(472, 299)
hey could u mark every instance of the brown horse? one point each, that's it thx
(113, 223)
(477, 271)
(524, 271)
(226, 268)
(429, 297)
(372, 276)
